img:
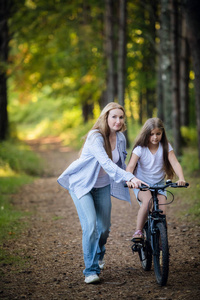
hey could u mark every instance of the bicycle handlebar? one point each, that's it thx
(163, 186)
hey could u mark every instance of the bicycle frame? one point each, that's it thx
(155, 216)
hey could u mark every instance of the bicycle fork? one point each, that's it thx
(153, 229)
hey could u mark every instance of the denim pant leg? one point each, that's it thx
(90, 211)
(102, 202)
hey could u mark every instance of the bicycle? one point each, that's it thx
(155, 242)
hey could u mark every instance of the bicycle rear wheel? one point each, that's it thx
(161, 254)
(145, 252)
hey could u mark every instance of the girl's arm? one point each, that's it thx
(132, 163)
(131, 167)
(177, 167)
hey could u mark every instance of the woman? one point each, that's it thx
(93, 178)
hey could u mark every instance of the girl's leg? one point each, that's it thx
(144, 198)
(102, 202)
(90, 236)
(162, 202)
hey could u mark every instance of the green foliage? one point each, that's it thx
(17, 157)
(189, 135)
(189, 205)
(189, 160)
(47, 117)
(58, 45)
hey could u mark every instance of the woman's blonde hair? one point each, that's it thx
(143, 140)
(102, 125)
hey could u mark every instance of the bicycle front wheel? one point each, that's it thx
(161, 254)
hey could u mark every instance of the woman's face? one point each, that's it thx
(115, 119)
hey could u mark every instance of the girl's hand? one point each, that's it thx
(181, 182)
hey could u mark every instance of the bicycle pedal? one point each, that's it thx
(136, 247)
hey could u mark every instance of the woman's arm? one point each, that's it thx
(177, 167)
(96, 149)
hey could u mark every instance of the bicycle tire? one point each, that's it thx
(161, 254)
(145, 252)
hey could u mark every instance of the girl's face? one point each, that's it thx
(155, 136)
(115, 119)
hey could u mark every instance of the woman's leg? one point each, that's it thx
(102, 202)
(90, 236)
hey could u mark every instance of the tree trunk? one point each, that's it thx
(175, 77)
(184, 75)
(87, 111)
(122, 57)
(3, 62)
(166, 63)
(110, 50)
(192, 12)
(160, 100)
(121, 51)
(140, 108)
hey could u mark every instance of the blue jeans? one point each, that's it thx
(94, 211)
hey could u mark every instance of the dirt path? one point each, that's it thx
(51, 247)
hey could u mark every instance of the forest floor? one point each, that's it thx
(51, 248)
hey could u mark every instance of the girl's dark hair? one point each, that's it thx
(143, 140)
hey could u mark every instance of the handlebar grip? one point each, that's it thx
(175, 185)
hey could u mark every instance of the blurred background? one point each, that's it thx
(62, 61)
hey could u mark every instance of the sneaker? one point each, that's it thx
(101, 264)
(92, 278)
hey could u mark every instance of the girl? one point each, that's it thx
(91, 179)
(152, 159)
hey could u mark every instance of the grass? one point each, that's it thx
(18, 166)
(9, 259)
(188, 199)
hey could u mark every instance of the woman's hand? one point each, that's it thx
(135, 183)
(129, 184)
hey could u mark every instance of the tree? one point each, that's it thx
(4, 37)
(175, 76)
(121, 52)
(109, 11)
(184, 73)
(164, 83)
(192, 13)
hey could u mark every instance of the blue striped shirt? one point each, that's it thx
(81, 175)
